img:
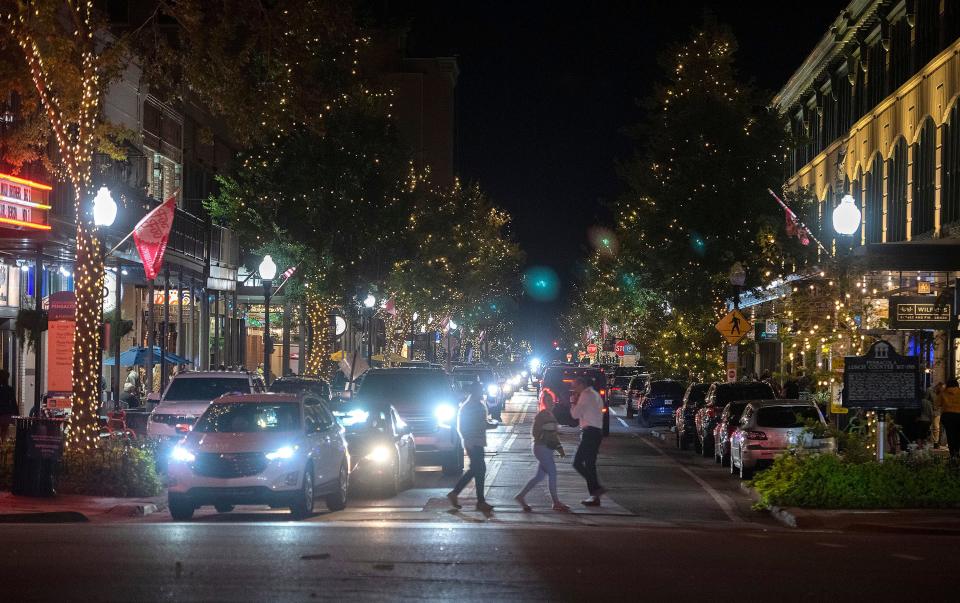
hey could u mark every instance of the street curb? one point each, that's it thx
(134, 509)
(45, 517)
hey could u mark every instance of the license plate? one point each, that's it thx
(668, 402)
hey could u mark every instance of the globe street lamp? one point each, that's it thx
(104, 208)
(268, 270)
(846, 216)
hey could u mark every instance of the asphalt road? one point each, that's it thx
(674, 527)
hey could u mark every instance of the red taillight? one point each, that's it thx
(182, 427)
(614, 389)
(605, 409)
(603, 392)
(755, 435)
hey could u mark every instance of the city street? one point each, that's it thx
(674, 526)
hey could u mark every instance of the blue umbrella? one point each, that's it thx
(137, 356)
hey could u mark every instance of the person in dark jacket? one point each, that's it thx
(472, 424)
(8, 404)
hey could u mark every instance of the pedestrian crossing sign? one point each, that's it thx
(734, 326)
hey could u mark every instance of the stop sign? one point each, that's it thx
(619, 347)
(592, 349)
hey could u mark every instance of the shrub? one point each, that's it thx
(834, 482)
(115, 467)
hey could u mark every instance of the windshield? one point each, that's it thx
(561, 379)
(786, 416)
(295, 387)
(627, 370)
(356, 419)
(736, 411)
(744, 391)
(698, 393)
(622, 381)
(246, 417)
(412, 387)
(666, 389)
(464, 378)
(205, 389)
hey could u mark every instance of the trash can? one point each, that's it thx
(36, 456)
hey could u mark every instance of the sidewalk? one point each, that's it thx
(73, 508)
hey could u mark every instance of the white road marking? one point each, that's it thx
(721, 501)
(624, 423)
(504, 447)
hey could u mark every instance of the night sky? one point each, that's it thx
(546, 90)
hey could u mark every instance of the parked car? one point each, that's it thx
(188, 395)
(271, 449)
(319, 388)
(718, 396)
(557, 390)
(426, 401)
(381, 444)
(638, 385)
(693, 399)
(617, 392)
(769, 427)
(723, 432)
(658, 401)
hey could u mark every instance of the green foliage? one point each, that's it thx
(30, 324)
(114, 467)
(837, 482)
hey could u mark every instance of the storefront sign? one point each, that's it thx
(881, 379)
(910, 312)
(174, 297)
(924, 288)
(23, 203)
(60, 336)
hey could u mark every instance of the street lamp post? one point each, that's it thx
(451, 327)
(104, 214)
(368, 303)
(413, 333)
(268, 270)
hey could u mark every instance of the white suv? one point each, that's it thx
(281, 450)
(189, 394)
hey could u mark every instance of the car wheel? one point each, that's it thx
(181, 509)
(453, 465)
(744, 472)
(392, 485)
(223, 508)
(411, 480)
(338, 500)
(301, 506)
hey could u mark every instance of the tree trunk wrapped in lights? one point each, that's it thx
(68, 70)
(318, 355)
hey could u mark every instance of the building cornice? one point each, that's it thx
(851, 21)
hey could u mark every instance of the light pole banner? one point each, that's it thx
(151, 235)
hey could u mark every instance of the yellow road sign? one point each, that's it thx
(734, 326)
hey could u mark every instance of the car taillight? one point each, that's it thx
(603, 392)
(614, 389)
(755, 435)
(182, 427)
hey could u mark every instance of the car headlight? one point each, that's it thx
(282, 453)
(523, 374)
(379, 454)
(493, 390)
(445, 414)
(182, 455)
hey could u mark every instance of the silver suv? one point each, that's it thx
(770, 427)
(189, 394)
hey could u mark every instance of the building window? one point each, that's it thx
(927, 34)
(950, 193)
(874, 213)
(899, 53)
(897, 192)
(844, 94)
(816, 142)
(163, 177)
(856, 191)
(831, 124)
(876, 70)
(924, 179)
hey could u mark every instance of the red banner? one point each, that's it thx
(151, 235)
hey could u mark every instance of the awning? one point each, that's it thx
(927, 255)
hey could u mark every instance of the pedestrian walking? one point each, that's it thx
(950, 415)
(472, 424)
(8, 404)
(937, 435)
(587, 407)
(546, 441)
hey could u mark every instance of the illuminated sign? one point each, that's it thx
(23, 203)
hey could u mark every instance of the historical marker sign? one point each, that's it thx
(881, 379)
